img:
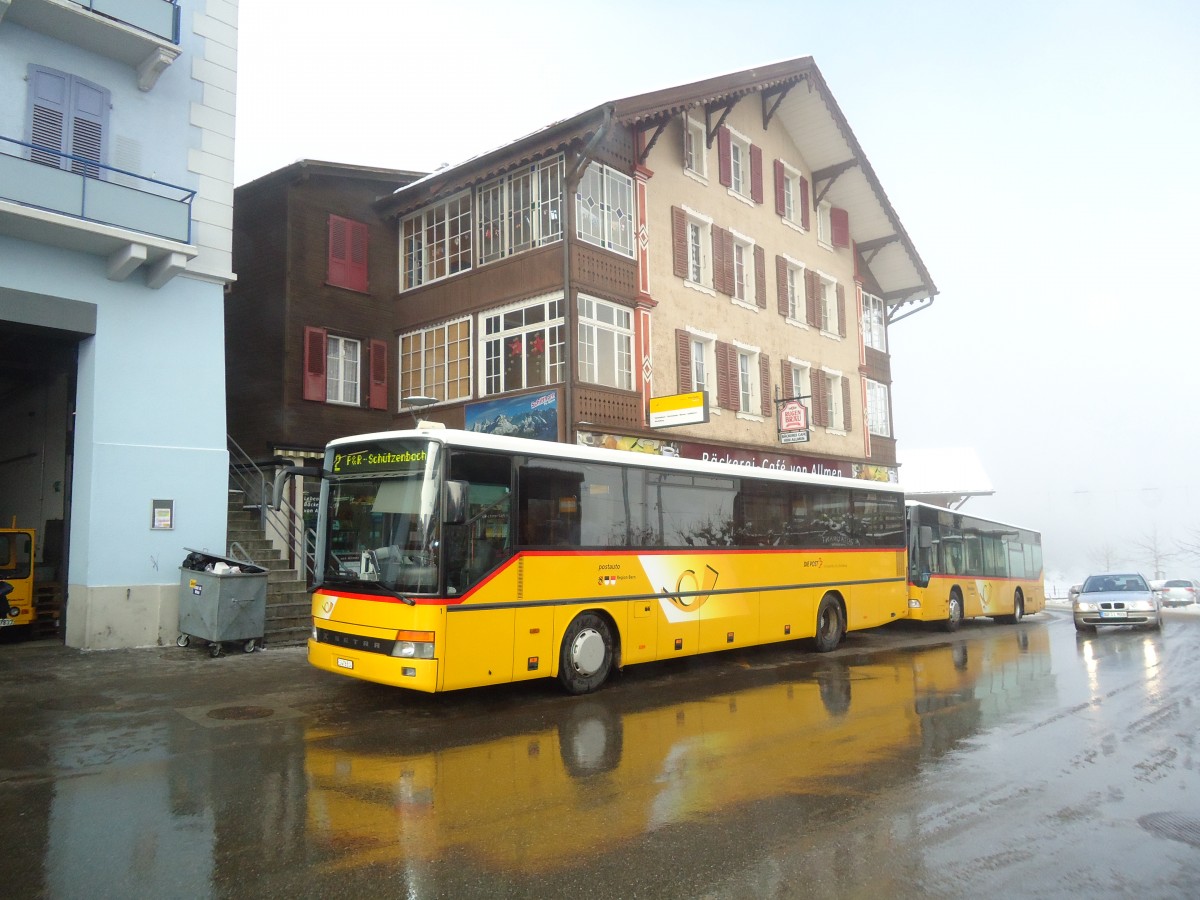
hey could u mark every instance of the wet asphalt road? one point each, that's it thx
(1000, 761)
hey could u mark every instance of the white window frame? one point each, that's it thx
(343, 371)
(704, 362)
(794, 286)
(825, 224)
(698, 235)
(695, 148)
(537, 189)
(874, 322)
(430, 242)
(605, 343)
(827, 308)
(833, 401)
(427, 368)
(793, 215)
(496, 328)
(749, 388)
(605, 212)
(739, 165)
(879, 419)
(802, 383)
(744, 273)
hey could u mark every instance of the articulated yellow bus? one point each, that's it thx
(16, 577)
(963, 566)
(450, 559)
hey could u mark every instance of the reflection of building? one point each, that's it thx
(675, 777)
(727, 236)
(116, 170)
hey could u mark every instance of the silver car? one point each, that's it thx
(1179, 592)
(1116, 598)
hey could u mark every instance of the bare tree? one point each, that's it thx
(1105, 557)
(1190, 546)
(1154, 551)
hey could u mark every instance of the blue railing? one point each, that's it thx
(93, 192)
(157, 17)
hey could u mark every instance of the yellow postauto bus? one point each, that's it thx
(963, 566)
(16, 577)
(449, 559)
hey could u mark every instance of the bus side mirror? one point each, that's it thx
(455, 508)
(925, 537)
(282, 477)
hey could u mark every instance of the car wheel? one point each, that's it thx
(587, 654)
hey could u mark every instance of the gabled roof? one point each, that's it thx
(793, 92)
(302, 168)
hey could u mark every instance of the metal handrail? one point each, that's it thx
(248, 476)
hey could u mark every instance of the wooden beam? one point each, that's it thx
(876, 243)
(657, 134)
(710, 128)
(777, 95)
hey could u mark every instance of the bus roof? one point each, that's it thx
(452, 437)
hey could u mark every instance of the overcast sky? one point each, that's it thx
(1041, 155)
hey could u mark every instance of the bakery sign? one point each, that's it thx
(792, 421)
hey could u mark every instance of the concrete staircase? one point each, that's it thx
(289, 610)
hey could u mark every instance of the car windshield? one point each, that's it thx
(1178, 583)
(1102, 583)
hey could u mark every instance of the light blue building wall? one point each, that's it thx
(142, 308)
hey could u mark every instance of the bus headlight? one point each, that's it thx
(914, 603)
(413, 645)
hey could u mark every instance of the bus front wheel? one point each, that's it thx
(955, 616)
(1018, 612)
(587, 654)
(831, 624)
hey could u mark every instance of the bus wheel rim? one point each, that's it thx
(587, 652)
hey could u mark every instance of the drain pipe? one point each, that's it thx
(570, 324)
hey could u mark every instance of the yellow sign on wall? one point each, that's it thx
(679, 409)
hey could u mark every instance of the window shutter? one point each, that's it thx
(804, 210)
(764, 381)
(847, 419)
(379, 379)
(857, 270)
(817, 390)
(724, 157)
(781, 285)
(785, 379)
(89, 112)
(49, 96)
(357, 269)
(839, 225)
(841, 310)
(314, 364)
(812, 288)
(756, 174)
(760, 276)
(718, 261)
(337, 269)
(679, 241)
(725, 395)
(780, 178)
(683, 358)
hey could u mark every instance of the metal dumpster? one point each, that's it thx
(221, 599)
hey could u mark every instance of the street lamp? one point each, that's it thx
(415, 404)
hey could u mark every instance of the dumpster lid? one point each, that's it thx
(247, 566)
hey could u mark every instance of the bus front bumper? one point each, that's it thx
(414, 674)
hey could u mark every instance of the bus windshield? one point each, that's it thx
(382, 530)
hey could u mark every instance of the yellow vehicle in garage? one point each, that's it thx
(16, 576)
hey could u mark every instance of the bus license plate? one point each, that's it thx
(345, 663)
(1112, 613)
(4, 622)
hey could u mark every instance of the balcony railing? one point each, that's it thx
(157, 17)
(92, 192)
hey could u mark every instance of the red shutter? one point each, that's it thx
(756, 174)
(804, 211)
(847, 419)
(314, 364)
(839, 225)
(683, 356)
(760, 276)
(718, 261)
(679, 241)
(338, 266)
(817, 390)
(379, 380)
(764, 381)
(841, 310)
(357, 269)
(781, 285)
(857, 271)
(785, 380)
(780, 179)
(812, 293)
(725, 392)
(724, 157)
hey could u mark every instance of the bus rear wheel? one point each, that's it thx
(1018, 612)
(587, 654)
(955, 616)
(831, 624)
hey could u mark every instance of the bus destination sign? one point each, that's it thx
(378, 459)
